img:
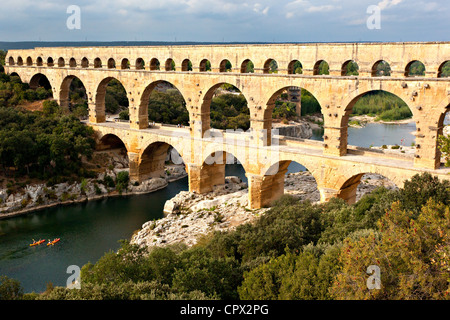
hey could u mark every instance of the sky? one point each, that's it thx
(226, 20)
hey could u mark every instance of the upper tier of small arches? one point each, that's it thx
(270, 66)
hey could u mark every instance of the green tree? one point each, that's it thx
(122, 180)
(444, 147)
(2, 60)
(352, 69)
(297, 67)
(412, 253)
(445, 70)
(417, 68)
(124, 115)
(420, 188)
(50, 108)
(10, 289)
(383, 69)
(250, 68)
(213, 276)
(324, 68)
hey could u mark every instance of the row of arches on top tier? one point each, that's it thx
(321, 67)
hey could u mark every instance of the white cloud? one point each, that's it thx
(299, 7)
(257, 8)
(324, 8)
(388, 3)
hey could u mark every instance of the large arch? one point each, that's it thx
(15, 74)
(40, 80)
(235, 115)
(153, 159)
(212, 172)
(348, 191)
(64, 94)
(110, 141)
(146, 99)
(283, 177)
(307, 109)
(384, 96)
(111, 150)
(100, 97)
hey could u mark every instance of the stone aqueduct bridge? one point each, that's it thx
(336, 166)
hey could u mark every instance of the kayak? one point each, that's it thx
(50, 243)
(36, 243)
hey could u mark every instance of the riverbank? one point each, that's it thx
(362, 120)
(190, 216)
(38, 196)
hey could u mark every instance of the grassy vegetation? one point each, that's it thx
(384, 105)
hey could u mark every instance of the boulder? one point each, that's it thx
(171, 207)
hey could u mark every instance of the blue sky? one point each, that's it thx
(225, 20)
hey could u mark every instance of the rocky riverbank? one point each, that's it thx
(362, 120)
(190, 215)
(297, 129)
(32, 197)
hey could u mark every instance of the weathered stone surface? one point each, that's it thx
(301, 130)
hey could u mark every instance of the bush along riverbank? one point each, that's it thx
(113, 180)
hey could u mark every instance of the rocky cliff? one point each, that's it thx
(295, 129)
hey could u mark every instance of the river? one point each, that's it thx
(90, 229)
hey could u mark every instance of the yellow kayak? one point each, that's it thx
(50, 243)
(36, 243)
